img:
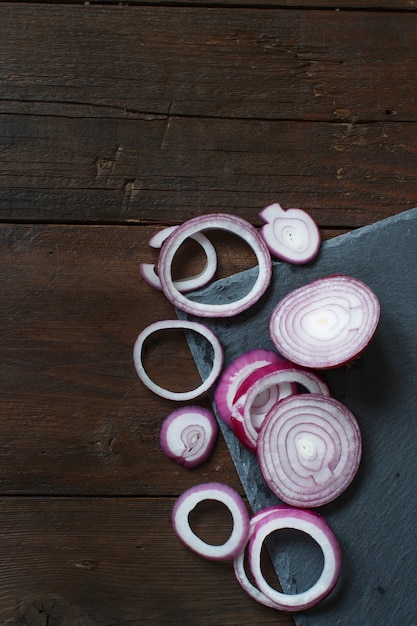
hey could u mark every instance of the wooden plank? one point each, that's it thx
(167, 170)
(89, 561)
(74, 417)
(121, 61)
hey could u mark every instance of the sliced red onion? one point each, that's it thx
(317, 528)
(220, 493)
(219, 221)
(247, 427)
(188, 435)
(239, 566)
(197, 327)
(309, 449)
(235, 373)
(149, 273)
(326, 323)
(291, 235)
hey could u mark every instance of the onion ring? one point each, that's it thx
(316, 527)
(186, 325)
(227, 496)
(150, 276)
(220, 221)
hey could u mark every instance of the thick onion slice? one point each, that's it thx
(149, 273)
(188, 435)
(218, 221)
(309, 449)
(197, 327)
(247, 425)
(317, 528)
(326, 323)
(220, 493)
(291, 235)
(235, 373)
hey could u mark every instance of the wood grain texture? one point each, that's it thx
(111, 562)
(116, 119)
(123, 114)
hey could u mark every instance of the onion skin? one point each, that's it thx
(311, 523)
(222, 493)
(188, 435)
(219, 221)
(309, 450)
(325, 324)
(291, 235)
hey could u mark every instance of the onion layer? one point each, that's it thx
(188, 435)
(291, 235)
(309, 449)
(315, 526)
(245, 424)
(326, 323)
(219, 221)
(236, 373)
(148, 270)
(186, 325)
(220, 493)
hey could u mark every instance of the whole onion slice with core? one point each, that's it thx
(247, 427)
(197, 327)
(219, 221)
(309, 449)
(188, 435)
(317, 528)
(291, 235)
(326, 323)
(150, 275)
(220, 493)
(235, 373)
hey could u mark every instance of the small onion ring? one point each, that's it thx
(219, 221)
(309, 449)
(150, 276)
(239, 566)
(326, 323)
(317, 528)
(186, 325)
(188, 435)
(220, 493)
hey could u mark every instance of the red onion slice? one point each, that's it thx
(291, 235)
(240, 571)
(188, 435)
(150, 276)
(208, 334)
(221, 493)
(235, 373)
(245, 426)
(316, 527)
(220, 221)
(326, 323)
(309, 449)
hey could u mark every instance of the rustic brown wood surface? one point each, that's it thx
(115, 120)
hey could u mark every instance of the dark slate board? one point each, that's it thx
(375, 519)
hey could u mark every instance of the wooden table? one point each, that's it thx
(116, 120)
